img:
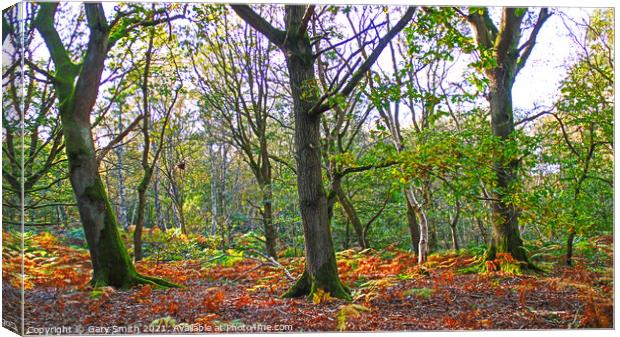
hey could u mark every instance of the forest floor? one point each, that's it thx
(391, 292)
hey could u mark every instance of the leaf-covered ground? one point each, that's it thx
(391, 293)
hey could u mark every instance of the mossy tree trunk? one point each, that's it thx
(321, 271)
(76, 88)
(501, 44)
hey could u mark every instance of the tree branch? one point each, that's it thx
(366, 168)
(368, 63)
(529, 45)
(103, 151)
(274, 35)
(306, 19)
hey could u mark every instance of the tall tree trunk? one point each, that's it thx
(76, 88)
(321, 271)
(506, 237)
(509, 59)
(146, 167)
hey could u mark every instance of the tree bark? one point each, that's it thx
(122, 206)
(267, 214)
(422, 223)
(111, 263)
(503, 41)
(321, 271)
(414, 229)
(267, 190)
(146, 166)
(482, 230)
(506, 237)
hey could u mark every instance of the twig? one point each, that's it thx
(274, 262)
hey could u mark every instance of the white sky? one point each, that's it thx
(538, 82)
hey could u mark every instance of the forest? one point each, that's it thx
(192, 167)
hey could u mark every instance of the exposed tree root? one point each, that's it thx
(134, 279)
(304, 286)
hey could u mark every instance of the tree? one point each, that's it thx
(502, 58)
(579, 129)
(343, 141)
(148, 168)
(40, 154)
(76, 86)
(239, 94)
(308, 105)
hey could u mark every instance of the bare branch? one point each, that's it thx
(103, 151)
(274, 35)
(368, 63)
(531, 41)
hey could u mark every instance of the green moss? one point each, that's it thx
(301, 287)
(420, 292)
(328, 280)
(114, 264)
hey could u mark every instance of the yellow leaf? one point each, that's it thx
(349, 310)
(321, 296)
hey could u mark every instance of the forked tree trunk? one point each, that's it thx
(321, 271)
(509, 58)
(506, 237)
(422, 224)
